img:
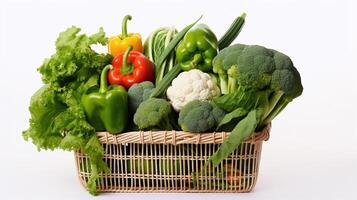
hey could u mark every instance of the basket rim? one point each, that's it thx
(176, 137)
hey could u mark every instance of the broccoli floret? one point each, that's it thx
(256, 67)
(138, 93)
(154, 114)
(200, 116)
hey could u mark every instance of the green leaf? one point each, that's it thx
(95, 152)
(74, 61)
(72, 142)
(45, 109)
(98, 38)
(237, 99)
(232, 117)
(242, 131)
(68, 38)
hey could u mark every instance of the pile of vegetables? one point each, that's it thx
(187, 80)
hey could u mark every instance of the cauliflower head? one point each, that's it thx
(191, 85)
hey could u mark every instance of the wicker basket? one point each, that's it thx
(171, 161)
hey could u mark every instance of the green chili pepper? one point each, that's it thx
(197, 49)
(106, 107)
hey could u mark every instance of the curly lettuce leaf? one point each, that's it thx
(45, 108)
(74, 61)
(57, 118)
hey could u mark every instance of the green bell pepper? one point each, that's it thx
(106, 107)
(197, 49)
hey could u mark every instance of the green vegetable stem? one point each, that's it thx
(161, 88)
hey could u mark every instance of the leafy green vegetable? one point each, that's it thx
(231, 101)
(155, 45)
(231, 119)
(255, 79)
(243, 130)
(57, 118)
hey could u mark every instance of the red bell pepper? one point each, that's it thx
(131, 67)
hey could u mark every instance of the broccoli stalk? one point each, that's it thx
(223, 82)
(232, 80)
(255, 79)
(280, 105)
(227, 80)
(164, 124)
(272, 102)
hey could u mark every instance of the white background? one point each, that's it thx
(312, 152)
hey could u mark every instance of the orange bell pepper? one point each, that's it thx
(120, 43)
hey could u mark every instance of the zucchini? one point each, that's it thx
(232, 32)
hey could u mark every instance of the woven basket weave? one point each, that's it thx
(172, 161)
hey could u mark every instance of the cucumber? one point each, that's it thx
(232, 32)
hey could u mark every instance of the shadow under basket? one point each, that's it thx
(172, 161)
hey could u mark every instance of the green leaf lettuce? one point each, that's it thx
(57, 118)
